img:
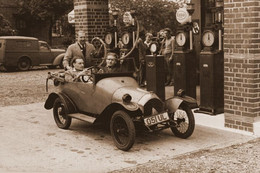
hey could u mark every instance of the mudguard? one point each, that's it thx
(66, 100)
(172, 104)
(58, 59)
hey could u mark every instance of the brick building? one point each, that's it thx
(242, 64)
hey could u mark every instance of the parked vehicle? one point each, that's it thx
(23, 52)
(116, 100)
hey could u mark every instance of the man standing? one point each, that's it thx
(168, 53)
(81, 48)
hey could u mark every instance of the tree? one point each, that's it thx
(43, 12)
(5, 27)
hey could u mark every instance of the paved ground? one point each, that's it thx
(31, 142)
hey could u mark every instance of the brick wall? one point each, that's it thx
(242, 63)
(92, 17)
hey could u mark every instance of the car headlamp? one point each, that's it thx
(126, 98)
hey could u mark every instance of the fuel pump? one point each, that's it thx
(184, 64)
(111, 37)
(123, 41)
(129, 37)
(212, 64)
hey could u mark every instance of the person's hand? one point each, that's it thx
(170, 59)
(68, 67)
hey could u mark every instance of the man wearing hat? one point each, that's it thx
(81, 48)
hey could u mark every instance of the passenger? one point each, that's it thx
(81, 48)
(112, 65)
(77, 70)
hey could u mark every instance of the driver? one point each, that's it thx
(112, 65)
(77, 70)
(81, 48)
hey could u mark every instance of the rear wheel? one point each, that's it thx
(24, 64)
(183, 123)
(122, 130)
(60, 113)
(61, 64)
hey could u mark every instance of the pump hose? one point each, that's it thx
(135, 43)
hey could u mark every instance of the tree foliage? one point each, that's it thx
(153, 15)
(5, 27)
(38, 14)
(42, 10)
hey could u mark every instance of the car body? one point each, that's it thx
(23, 52)
(117, 100)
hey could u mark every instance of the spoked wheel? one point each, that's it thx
(61, 118)
(183, 123)
(24, 64)
(122, 130)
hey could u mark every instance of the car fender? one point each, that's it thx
(172, 104)
(130, 106)
(58, 59)
(66, 100)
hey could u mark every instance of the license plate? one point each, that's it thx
(155, 119)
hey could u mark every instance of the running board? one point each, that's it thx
(83, 117)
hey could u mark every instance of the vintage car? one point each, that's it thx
(23, 52)
(117, 100)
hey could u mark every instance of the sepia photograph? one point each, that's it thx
(130, 86)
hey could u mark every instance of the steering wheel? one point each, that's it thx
(100, 46)
(87, 75)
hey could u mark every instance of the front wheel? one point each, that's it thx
(183, 122)
(122, 130)
(60, 112)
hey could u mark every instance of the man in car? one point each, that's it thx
(112, 65)
(81, 48)
(77, 70)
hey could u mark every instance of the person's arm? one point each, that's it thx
(67, 58)
(172, 46)
(68, 76)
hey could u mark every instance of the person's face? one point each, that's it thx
(166, 34)
(111, 61)
(81, 38)
(78, 64)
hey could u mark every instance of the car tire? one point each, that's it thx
(61, 64)
(183, 123)
(60, 113)
(23, 64)
(122, 130)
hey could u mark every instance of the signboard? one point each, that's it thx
(182, 16)
(127, 18)
(71, 17)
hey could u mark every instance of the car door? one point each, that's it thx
(45, 54)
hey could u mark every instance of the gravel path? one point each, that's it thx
(242, 158)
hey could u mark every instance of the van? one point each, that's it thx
(18, 52)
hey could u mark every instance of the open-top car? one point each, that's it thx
(117, 100)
